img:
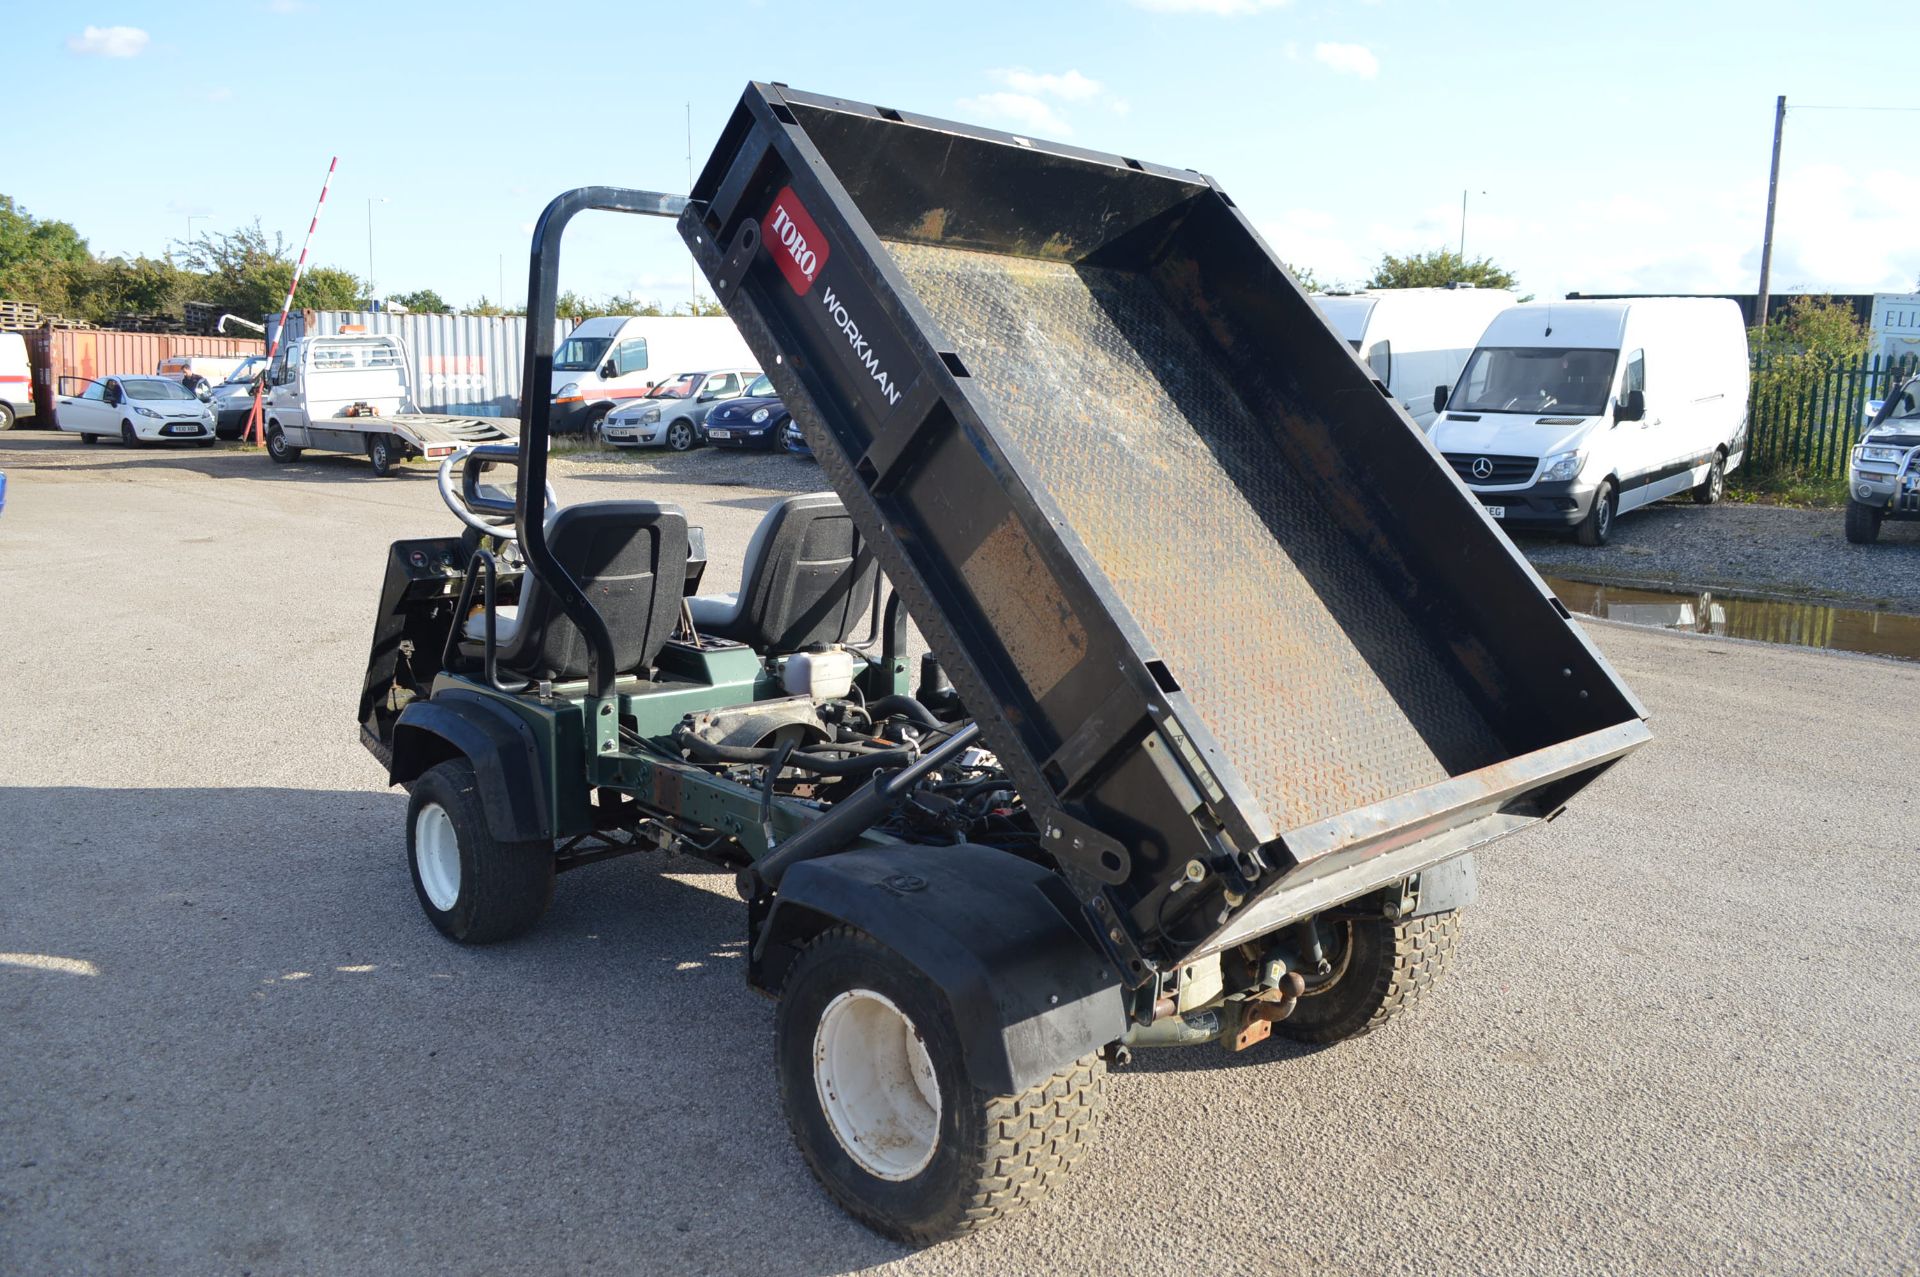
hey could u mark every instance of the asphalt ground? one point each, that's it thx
(1679, 1036)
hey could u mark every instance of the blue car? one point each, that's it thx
(754, 420)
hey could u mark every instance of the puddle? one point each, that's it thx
(1840, 629)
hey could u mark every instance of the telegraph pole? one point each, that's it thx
(1773, 188)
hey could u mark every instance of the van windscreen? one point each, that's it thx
(1570, 381)
(578, 354)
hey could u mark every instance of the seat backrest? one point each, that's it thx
(630, 558)
(808, 577)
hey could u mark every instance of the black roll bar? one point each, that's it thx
(536, 393)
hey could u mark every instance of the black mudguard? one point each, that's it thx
(1002, 938)
(501, 748)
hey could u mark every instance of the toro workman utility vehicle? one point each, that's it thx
(1228, 675)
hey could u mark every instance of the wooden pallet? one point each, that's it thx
(17, 316)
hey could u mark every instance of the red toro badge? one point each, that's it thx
(796, 243)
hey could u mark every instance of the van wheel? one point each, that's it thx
(383, 454)
(1863, 523)
(595, 423)
(877, 1093)
(277, 446)
(6, 416)
(473, 887)
(1598, 525)
(1714, 486)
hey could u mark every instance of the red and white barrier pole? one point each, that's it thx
(256, 428)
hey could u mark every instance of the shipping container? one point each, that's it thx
(463, 365)
(93, 353)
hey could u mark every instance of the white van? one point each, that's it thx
(1572, 412)
(16, 380)
(607, 361)
(1414, 338)
(213, 369)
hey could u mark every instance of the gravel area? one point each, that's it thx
(1678, 1037)
(1754, 549)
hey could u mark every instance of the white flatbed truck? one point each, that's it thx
(351, 393)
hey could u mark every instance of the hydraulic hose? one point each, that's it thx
(899, 706)
(862, 764)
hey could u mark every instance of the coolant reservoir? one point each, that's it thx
(824, 675)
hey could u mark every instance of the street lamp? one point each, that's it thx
(371, 201)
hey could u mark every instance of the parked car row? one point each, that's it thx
(726, 407)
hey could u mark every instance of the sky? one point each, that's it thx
(1601, 148)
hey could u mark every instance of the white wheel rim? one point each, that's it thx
(436, 856)
(876, 1085)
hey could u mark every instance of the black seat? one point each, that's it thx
(630, 557)
(809, 578)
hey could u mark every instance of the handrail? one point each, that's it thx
(536, 387)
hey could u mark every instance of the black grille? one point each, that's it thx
(1504, 470)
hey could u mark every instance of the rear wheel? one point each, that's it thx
(1863, 523)
(87, 438)
(1380, 968)
(277, 446)
(878, 1096)
(1714, 486)
(474, 888)
(1598, 525)
(383, 453)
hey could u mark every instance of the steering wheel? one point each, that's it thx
(495, 517)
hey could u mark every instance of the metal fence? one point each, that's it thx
(1806, 412)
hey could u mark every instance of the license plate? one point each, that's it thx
(1496, 511)
(721, 434)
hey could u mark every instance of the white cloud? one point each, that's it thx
(1348, 59)
(1029, 113)
(1069, 86)
(109, 42)
(1219, 8)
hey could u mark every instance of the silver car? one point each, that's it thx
(674, 411)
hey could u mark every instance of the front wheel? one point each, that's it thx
(1714, 486)
(878, 1096)
(383, 454)
(7, 419)
(1863, 523)
(277, 446)
(680, 436)
(1598, 525)
(473, 887)
(128, 439)
(1380, 967)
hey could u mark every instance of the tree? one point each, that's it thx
(100, 290)
(37, 257)
(1304, 276)
(1437, 269)
(1795, 358)
(247, 274)
(1812, 325)
(423, 300)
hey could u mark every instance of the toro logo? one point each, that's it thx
(798, 247)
